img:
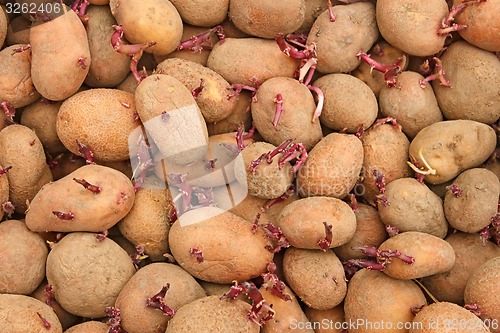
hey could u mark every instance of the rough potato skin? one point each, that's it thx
(413, 207)
(265, 19)
(86, 274)
(479, 71)
(149, 21)
(213, 100)
(18, 313)
(4, 191)
(335, 316)
(147, 223)
(313, 8)
(239, 60)
(239, 115)
(81, 118)
(444, 317)
(302, 222)
(481, 291)
(296, 120)
(4, 21)
(332, 168)
(337, 43)
(89, 327)
(412, 25)
(108, 67)
(230, 250)
(315, 276)
(470, 253)
(202, 13)
(146, 283)
(66, 37)
(26, 253)
(414, 107)
(16, 85)
(18, 31)
(432, 255)
(21, 149)
(210, 314)
(373, 296)
(452, 146)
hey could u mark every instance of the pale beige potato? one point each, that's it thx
(202, 13)
(334, 317)
(89, 327)
(4, 191)
(313, 8)
(18, 31)
(4, 23)
(240, 114)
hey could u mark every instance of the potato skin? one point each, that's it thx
(373, 296)
(412, 25)
(26, 252)
(92, 212)
(86, 274)
(18, 31)
(225, 239)
(302, 222)
(332, 168)
(4, 22)
(19, 314)
(296, 120)
(239, 115)
(452, 146)
(210, 314)
(315, 276)
(4, 191)
(465, 64)
(239, 60)
(65, 36)
(432, 255)
(16, 84)
(334, 316)
(89, 327)
(202, 13)
(81, 118)
(337, 43)
(21, 149)
(147, 282)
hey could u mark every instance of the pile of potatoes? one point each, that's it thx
(229, 166)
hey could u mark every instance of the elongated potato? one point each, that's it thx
(449, 147)
(65, 36)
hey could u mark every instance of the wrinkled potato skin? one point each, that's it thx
(412, 25)
(452, 146)
(302, 222)
(87, 275)
(332, 168)
(18, 31)
(295, 122)
(354, 30)
(147, 282)
(239, 115)
(26, 252)
(432, 255)
(202, 13)
(479, 71)
(108, 67)
(414, 107)
(240, 59)
(19, 314)
(16, 85)
(310, 272)
(413, 207)
(66, 37)
(470, 254)
(92, 212)
(21, 149)
(89, 327)
(265, 19)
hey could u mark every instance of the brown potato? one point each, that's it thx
(21, 313)
(26, 251)
(230, 30)
(470, 253)
(241, 114)
(18, 31)
(316, 277)
(327, 321)
(86, 274)
(89, 326)
(129, 84)
(64, 164)
(302, 222)
(313, 8)
(431, 255)
(337, 43)
(332, 168)
(124, 166)
(4, 191)
(4, 22)
(202, 14)
(147, 282)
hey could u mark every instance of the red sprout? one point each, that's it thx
(276, 235)
(92, 188)
(114, 320)
(158, 302)
(325, 243)
(330, 11)
(85, 152)
(102, 235)
(250, 133)
(447, 25)
(388, 120)
(255, 225)
(382, 199)
(80, 8)
(64, 216)
(169, 258)
(281, 198)
(385, 256)
(241, 137)
(416, 309)
(279, 109)
(473, 308)
(291, 51)
(390, 71)
(439, 74)
(145, 163)
(321, 101)
(455, 190)
(377, 49)
(197, 91)
(195, 43)
(21, 50)
(293, 151)
(353, 202)
(197, 253)
(8, 208)
(9, 112)
(5, 170)
(299, 40)
(82, 62)
(485, 235)
(360, 132)
(210, 165)
(237, 88)
(46, 324)
(186, 191)
(135, 116)
(269, 155)
(52, 162)
(379, 180)
(306, 72)
(172, 215)
(273, 283)
(49, 295)
(391, 231)
(138, 256)
(368, 264)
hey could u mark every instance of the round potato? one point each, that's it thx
(239, 115)
(313, 8)
(89, 327)
(18, 31)
(4, 190)
(204, 13)
(87, 274)
(4, 22)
